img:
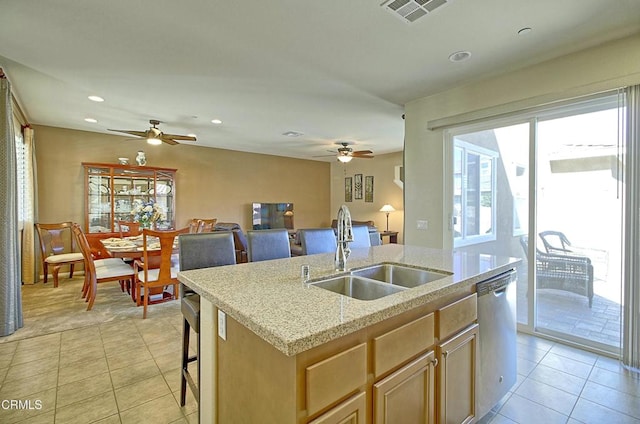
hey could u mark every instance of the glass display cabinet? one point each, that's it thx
(112, 190)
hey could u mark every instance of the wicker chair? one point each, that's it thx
(563, 272)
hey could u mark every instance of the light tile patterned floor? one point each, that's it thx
(561, 384)
(125, 370)
(110, 366)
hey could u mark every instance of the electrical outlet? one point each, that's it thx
(422, 224)
(222, 325)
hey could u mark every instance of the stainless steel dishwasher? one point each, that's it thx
(496, 340)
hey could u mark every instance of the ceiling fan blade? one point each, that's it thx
(323, 156)
(168, 140)
(136, 133)
(362, 152)
(179, 137)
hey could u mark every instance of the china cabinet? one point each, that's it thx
(112, 190)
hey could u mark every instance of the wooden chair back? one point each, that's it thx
(111, 271)
(57, 240)
(128, 228)
(197, 225)
(157, 270)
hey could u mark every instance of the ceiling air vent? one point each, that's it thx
(412, 10)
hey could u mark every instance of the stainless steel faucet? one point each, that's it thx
(345, 236)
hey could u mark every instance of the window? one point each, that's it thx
(474, 185)
(21, 170)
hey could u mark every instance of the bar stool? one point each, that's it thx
(264, 245)
(199, 250)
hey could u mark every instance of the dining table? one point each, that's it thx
(132, 248)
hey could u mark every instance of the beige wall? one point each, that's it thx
(605, 67)
(384, 191)
(211, 183)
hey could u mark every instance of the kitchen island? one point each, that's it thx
(274, 349)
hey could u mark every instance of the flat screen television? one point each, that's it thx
(272, 215)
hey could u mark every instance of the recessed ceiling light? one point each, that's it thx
(524, 31)
(91, 120)
(292, 133)
(216, 121)
(460, 56)
(96, 99)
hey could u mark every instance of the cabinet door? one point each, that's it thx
(457, 377)
(407, 395)
(351, 411)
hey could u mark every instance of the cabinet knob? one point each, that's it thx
(435, 362)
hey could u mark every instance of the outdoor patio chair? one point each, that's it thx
(570, 273)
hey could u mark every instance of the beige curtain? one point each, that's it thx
(10, 278)
(29, 239)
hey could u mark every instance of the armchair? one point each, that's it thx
(570, 273)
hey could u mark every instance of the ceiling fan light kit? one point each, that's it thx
(346, 153)
(154, 136)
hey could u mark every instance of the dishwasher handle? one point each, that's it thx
(496, 285)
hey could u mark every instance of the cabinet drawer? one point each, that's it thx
(456, 316)
(335, 377)
(397, 346)
(351, 411)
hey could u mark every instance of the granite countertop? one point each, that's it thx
(270, 299)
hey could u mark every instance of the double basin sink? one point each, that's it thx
(378, 281)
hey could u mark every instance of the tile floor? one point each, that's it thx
(118, 371)
(561, 384)
(127, 370)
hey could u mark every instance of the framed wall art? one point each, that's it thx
(357, 186)
(348, 189)
(368, 188)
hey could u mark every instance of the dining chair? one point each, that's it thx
(263, 245)
(197, 251)
(361, 237)
(57, 249)
(155, 273)
(317, 240)
(197, 225)
(128, 228)
(99, 270)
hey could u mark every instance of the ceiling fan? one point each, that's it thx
(154, 136)
(346, 153)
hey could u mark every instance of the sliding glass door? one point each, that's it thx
(578, 221)
(547, 187)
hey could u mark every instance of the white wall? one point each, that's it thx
(602, 68)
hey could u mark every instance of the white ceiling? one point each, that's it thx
(331, 69)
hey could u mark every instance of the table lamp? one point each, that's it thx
(386, 209)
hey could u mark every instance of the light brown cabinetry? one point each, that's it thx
(337, 376)
(111, 190)
(407, 395)
(457, 359)
(351, 411)
(418, 367)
